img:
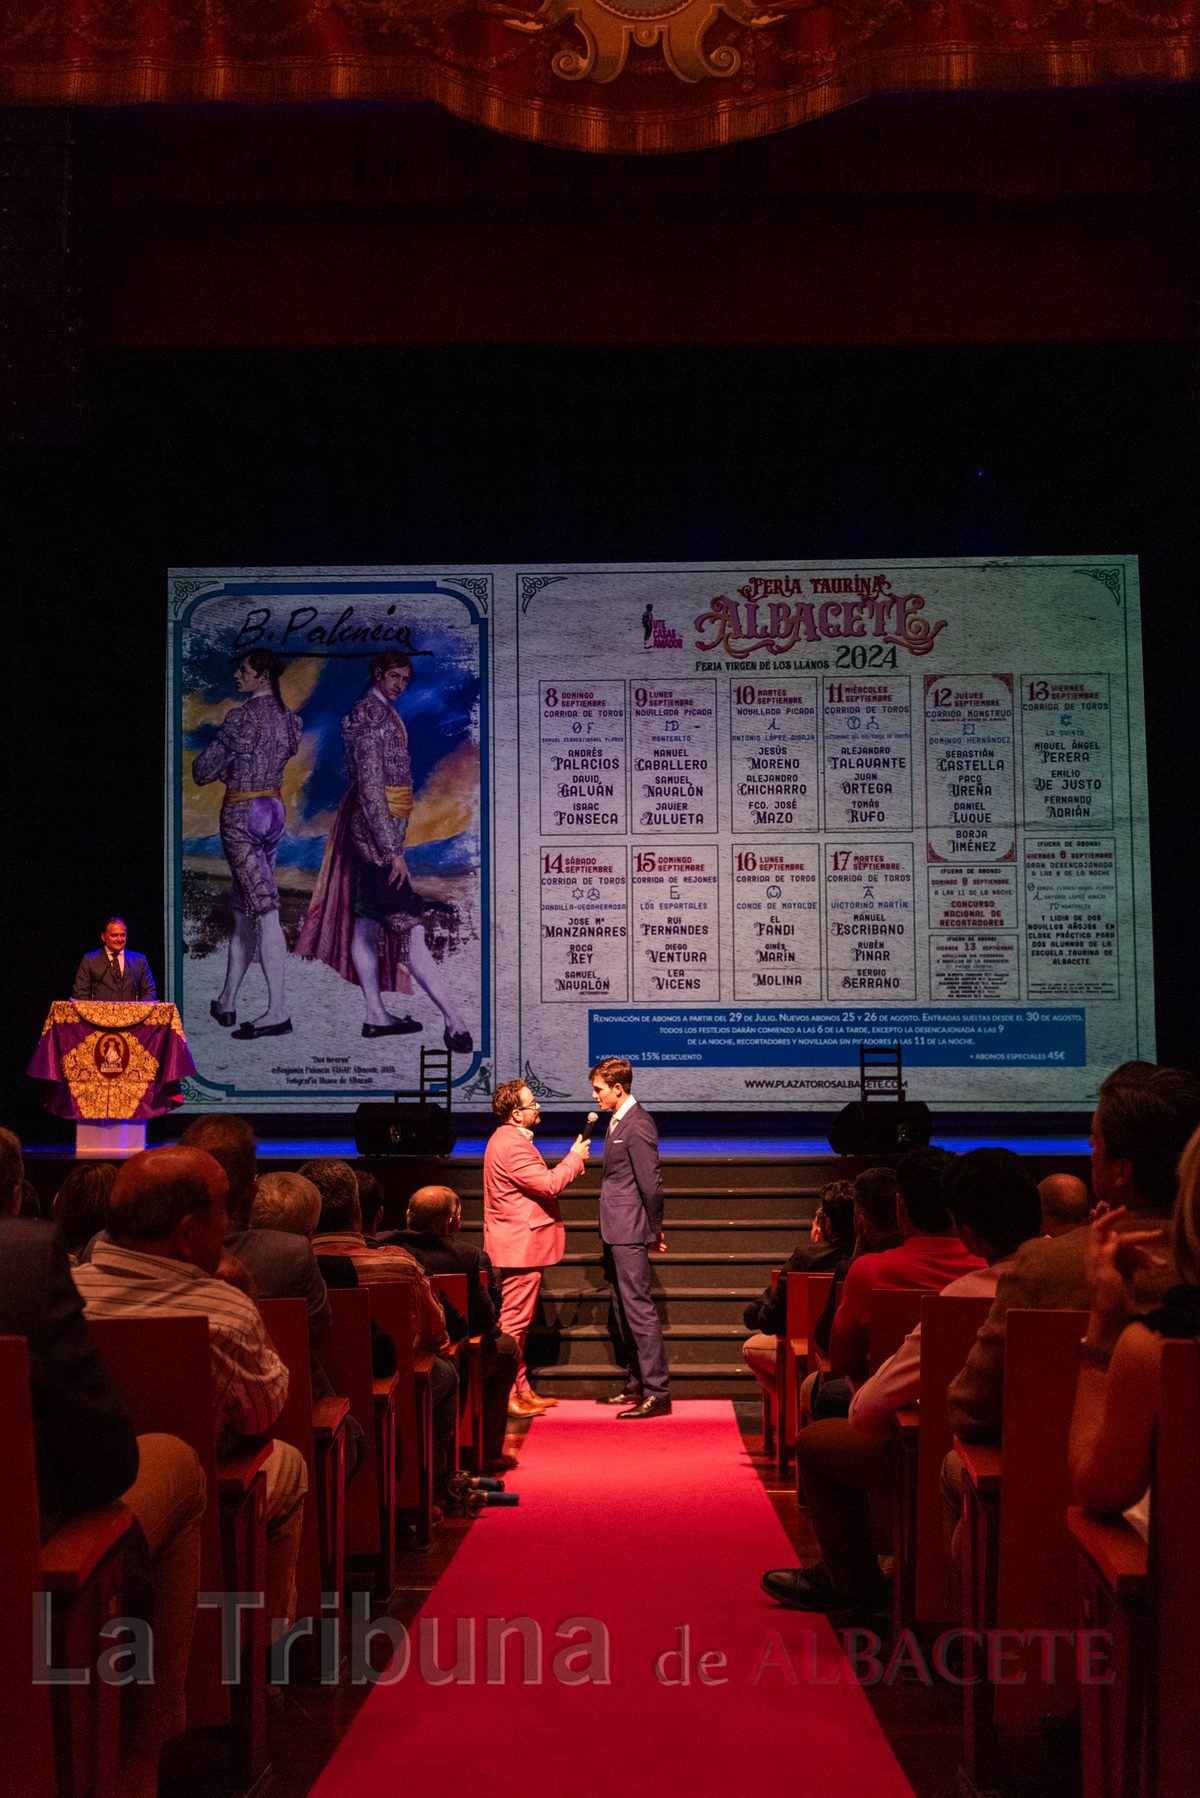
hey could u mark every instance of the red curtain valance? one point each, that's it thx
(603, 75)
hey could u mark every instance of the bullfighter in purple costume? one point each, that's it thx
(364, 908)
(249, 753)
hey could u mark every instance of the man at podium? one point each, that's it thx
(114, 972)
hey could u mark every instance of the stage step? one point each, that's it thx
(689, 1379)
(572, 1306)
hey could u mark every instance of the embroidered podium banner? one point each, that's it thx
(605, 75)
(119, 1063)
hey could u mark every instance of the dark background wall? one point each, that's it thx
(948, 326)
(478, 454)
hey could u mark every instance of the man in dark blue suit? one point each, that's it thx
(631, 1216)
(113, 972)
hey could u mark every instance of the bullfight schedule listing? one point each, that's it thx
(730, 820)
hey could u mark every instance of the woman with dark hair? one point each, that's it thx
(249, 753)
(364, 919)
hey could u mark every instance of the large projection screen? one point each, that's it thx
(730, 820)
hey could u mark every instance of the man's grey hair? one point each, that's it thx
(285, 1201)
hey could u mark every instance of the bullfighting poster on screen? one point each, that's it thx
(730, 821)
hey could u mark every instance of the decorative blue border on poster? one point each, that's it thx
(187, 594)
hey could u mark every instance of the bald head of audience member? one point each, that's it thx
(335, 1181)
(171, 1203)
(285, 1202)
(232, 1142)
(1066, 1203)
(434, 1211)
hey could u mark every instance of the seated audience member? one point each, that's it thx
(282, 1266)
(291, 1205)
(31, 1202)
(165, 1257)
(339, 1232)
(930, 1255)
(875, 1230)
(1141, 1126)
(432, 1236)
(1066, 1203)
(845, 1466)
(832, 1239)
(1117, 1400)
(87, 1456)
(80, 1202)
(370, 1203)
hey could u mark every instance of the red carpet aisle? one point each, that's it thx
(640, 1527)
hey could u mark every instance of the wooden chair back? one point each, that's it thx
(453, 1287)
(392, 1309)
(286, 1322)
(469, 1437)
(1037, 1582)
(1175, 1577)
(818, 1298)
(893, 1315)
(25, 1723)
(161, 1368)
(346, 1358)
(948, 1331)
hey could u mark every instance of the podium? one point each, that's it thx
(114, 1065)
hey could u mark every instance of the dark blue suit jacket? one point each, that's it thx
(631, 1191)
(87, 1453)
(94, 978)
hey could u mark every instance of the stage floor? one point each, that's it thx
(727, 1148)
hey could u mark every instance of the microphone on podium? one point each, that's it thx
(593, 1117)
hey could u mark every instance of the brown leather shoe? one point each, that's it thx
(524, 1404)
(547, 1404)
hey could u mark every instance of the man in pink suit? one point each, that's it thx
(522, 1228)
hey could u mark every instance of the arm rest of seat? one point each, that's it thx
(235, 1472)
(1115, 1549)
(422, 1363)
(822, 1361)
(906, 1422)
(983, 1464)
(385, 1391)
(799, 1347)
(327, 1415)
(73, 1553)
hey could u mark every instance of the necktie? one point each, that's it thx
(116, 970)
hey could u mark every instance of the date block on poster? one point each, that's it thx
(868, 753)
(869, 919)
(970, 755)
(581, 734)
(676, 934)
(1067, 762)
(773, 754)
(1071, 917)
(675, 757)
(776, 922)
(584, 924)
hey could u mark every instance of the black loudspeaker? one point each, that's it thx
(403, 1130)
(881, 1127)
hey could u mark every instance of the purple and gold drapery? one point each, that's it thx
(112, 1062)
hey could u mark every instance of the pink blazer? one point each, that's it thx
(521, 1222)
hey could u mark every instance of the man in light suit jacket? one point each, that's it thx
(522, 1226)
(631, 1215)
(113, 972)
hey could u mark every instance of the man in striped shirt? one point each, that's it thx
(165, 1258)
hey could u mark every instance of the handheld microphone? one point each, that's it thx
(593, 1117)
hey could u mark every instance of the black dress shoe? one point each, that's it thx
(397, 1027)
(812, 1589)
(460, 1043)
(648, 1407)
(621, 1398)
(224, 1018)
(246, 1033)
